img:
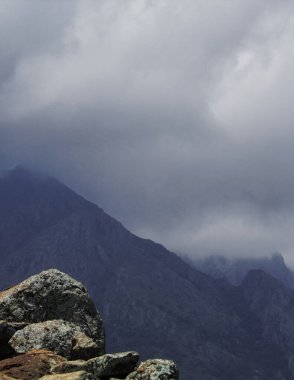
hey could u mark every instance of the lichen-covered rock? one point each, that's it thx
(7, 330)
(156, 369)
(109, 365)
(53, 295)
(30, 366)
(79, 375)
(64, 338)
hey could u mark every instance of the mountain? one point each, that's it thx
(235, 269)
(211, 329)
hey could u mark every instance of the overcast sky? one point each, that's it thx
(176, 117)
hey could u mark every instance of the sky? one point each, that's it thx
(176, 117)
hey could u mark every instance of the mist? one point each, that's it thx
(175, 118)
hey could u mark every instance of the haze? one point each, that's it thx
(174, 116)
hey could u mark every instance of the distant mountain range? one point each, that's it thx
(236, 269)
(212, 329)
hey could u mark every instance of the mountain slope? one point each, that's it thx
(144, 292)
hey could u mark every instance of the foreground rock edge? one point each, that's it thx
(53, 311)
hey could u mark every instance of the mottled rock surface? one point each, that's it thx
(64, 338)
(156, 369)
(118, 364)
(79, 375)
(53, 295)
(30, 366)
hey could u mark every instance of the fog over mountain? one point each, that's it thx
(177, 117)
(236, 269)
(149, 298)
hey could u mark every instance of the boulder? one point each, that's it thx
(64, 338)
(112, 365)
(29, 366)
(155, 369)
(109, 365)
(79, 375)
(53, 295)
(50, 330)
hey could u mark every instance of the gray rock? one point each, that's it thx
(53, 295)
(155, 369)
(109, 365)
(63, 338)
(79, 375)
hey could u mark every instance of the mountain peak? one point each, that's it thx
(278, 258)
(236, 269)
(20, 172)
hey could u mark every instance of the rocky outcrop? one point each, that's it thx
(49, 320)
(120, 364)
(64, 338)
(29, 366)
(155, 369)
(53, 295)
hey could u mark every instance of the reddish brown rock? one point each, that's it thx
(5, 377)
(30, 366)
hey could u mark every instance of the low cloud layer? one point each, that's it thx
(175, 117)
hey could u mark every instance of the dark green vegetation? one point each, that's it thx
(151, 300)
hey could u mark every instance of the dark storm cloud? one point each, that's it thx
(176, 117)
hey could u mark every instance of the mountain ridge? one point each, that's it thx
(235, 269)
(143, 291)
